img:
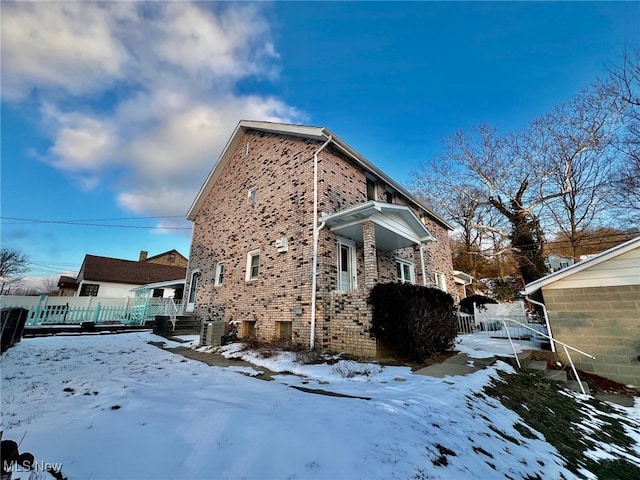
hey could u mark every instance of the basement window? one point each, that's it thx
(249, 330)
(283, 330)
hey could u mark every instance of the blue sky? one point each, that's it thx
(113, 113)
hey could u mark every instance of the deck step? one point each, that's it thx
(557, 375)
(539, 367)
(575, 386)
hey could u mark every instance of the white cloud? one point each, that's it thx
(145, 90)
(60, 45)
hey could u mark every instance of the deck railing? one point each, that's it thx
(467, 324)
(45, 310)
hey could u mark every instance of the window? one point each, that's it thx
(440, 281)
(89, 290)
(253, 265)
(249, 329)
(371, 188)
(404, 271)
(219, 274)
(390, 195)
(245, 149)
(252, 195)
(193, 290)
(346, 266)
(283, 331)
(158, 293)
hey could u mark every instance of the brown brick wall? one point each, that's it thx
(601, 321)
(350, 323)
(227, 228)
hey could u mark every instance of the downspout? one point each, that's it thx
(546, 319)
(424, 272)
(316, 234)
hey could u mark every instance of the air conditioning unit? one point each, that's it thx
(211, 334)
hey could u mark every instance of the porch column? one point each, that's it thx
(419, 263)
(370, 257)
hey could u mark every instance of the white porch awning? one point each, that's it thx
(166, 284)
(396, 226)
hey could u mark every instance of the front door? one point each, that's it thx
(193, 290)
(346, 267)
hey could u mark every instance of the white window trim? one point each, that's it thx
(252, 195)
(245, 149)
(403, 262)
(219, 270)
(250, 255)
(354, 270)
(441, 275)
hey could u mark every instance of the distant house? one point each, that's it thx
(67, 286)
(557, 262)
(292, 229)
(463, 280)
(594, 306)
(115, 277)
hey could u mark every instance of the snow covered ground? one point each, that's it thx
(117, 407)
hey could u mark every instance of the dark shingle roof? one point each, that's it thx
(106, 269)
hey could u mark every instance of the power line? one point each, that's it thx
(84, 224)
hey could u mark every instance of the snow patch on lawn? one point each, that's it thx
(115, 406)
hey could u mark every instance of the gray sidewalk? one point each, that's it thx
(460, 364)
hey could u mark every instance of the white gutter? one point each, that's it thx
(424, 272)
(546, 319)
(316, 234)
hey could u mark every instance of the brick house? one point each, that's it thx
(257, 259)
(594, 305)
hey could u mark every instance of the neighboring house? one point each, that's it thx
(172, 257)
(594, 306)
(114, 277)
(257, 259)
(67, 286)
(462, 280)
(556, 262)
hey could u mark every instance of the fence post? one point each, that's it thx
(96, 313)
(37, 320)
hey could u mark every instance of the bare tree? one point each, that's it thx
(625, 197)
(13, 264)
(49, 286)
(582, 135)
(503, 172)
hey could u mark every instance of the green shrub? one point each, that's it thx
(414, 322)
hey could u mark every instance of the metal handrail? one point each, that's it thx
(573, 367)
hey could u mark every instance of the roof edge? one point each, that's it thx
(315, 133)
(583, 265)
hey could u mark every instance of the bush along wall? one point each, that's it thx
(414, 322)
